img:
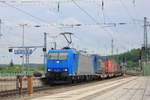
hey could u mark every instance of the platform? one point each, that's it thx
(131, 88)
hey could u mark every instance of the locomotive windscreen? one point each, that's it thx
(58, 56)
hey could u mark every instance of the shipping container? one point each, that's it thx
(112, 67)
(85, 66)
(99, 65)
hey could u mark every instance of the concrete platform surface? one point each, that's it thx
(131, 88)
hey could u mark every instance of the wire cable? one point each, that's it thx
(126, 9)
(37, 18)
(130, 16)
(92, 18)
(27, 13)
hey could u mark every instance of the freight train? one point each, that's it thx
(69, 64)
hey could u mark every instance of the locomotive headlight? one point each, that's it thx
(66, 69)
(49, 70)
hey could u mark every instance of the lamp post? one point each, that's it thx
(0, 27)
(23, 31)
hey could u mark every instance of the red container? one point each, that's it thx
(107, 65)
(111, 66)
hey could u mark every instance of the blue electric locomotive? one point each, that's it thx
(68, 64)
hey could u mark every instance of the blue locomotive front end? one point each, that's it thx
(61, 64)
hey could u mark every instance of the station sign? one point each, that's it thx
(29, 51)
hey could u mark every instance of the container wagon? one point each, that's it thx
(112, 68)
(107, 68)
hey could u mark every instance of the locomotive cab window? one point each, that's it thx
(53, 56)
(63, 56)
(58, 56)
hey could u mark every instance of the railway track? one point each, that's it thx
(14, 93)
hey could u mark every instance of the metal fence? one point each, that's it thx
(146, 69)
(14, 73)
(11, 84)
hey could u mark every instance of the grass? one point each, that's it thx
(15, 70)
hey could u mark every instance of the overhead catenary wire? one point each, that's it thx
(25, 12)
(115, 23)
(59, 8)
(92, 18)
(127, 11)
(37, 18)
(44, 2)
(42, 20)
(129, 14)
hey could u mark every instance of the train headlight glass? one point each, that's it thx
(66, 69)
(49, 70)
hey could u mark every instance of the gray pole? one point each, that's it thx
(145, 39)
(45, 40)
(23, 26)
(112, 47)
(0, 27)
(23, 35)
(23, 29)
(54, 41)
(145, 32)
(55, 45)
(45, 46)
(23, 44)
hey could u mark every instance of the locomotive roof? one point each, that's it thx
(63, 50)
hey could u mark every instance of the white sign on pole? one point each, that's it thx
(23, 51)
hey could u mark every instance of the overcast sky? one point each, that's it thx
(88, 36)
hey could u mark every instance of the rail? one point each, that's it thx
(17, 85)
